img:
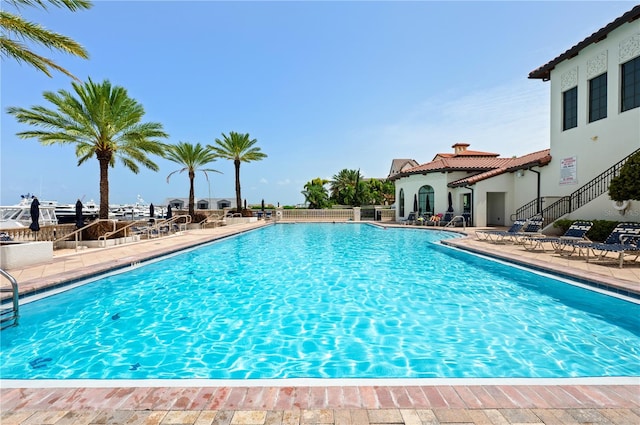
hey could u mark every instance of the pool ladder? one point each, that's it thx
(9, 314)
(455, 220)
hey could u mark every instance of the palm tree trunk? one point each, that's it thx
(192, 209)
(238, 194)
(104, 187)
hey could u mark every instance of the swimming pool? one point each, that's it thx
(324, 301)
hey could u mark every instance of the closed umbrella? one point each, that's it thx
(151, 211)
(79, 217)
(415, 203)
(35, 215)
(262, 205)
(428, 207)
(450, 209)
(169, 212)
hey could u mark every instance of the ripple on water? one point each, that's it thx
(324, 301)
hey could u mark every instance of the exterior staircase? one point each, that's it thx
(567, 204)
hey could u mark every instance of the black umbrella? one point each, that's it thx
(35, 215)
(151, 212)
(450, 209)
(415, 203)
(428, 207)
(169, 212)
(263, 205)
(79, 218)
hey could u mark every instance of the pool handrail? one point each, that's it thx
(15, 309)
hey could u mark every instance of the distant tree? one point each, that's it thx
(345, 187)
(101, 120)
(238, 148)
(626, 185)
(15, 31)
(192, 158)
(316, 194)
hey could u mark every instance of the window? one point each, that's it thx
(598, 98)
(425, 201)
(570, 109)
(630, 95)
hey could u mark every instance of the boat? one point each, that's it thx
(19, 215)
(66, 213)
(136, 211)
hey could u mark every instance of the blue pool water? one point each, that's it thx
(324, 301)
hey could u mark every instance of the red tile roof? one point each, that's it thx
(544, 72)
(483, 166)
(535, 159)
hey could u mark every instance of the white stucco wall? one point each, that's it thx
(598, 145)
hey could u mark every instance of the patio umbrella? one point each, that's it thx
(428, 207)
(169, 212)
(151, 211)
(35, 215)
(415, 203)
(262, 205)
(450, 209)
(79, 217)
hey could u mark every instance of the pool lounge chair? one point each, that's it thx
(624, 241)
(575, 233)
(411, 218)
(532, 228)
(500, 235)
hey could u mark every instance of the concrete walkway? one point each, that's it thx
(606, 401)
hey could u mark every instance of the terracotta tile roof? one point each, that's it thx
(539, 159)
(544, 72)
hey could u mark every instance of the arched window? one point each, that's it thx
(401, 202)
(426, 204)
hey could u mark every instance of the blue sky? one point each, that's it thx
(322, 86)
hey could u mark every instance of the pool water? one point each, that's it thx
(324, 301)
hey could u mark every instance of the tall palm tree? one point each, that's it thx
(16, 30)
(191, 157)
(101, 120)
(239, 148)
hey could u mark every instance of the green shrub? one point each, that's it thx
(563, 224)
(601, 229)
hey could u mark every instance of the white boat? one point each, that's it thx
(66, 213)
(19, 215)
(136, 211)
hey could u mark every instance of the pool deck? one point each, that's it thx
(446, 401)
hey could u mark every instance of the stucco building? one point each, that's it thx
(595, 127)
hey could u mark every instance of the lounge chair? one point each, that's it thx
(411, 218)
(499, 235)
(576, 233)
(623, 241)
(532, 228)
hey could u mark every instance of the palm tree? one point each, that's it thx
(191, 157)
(15, 30)
(345, 187)
(315, 193)
(101, 120)
(238, 148)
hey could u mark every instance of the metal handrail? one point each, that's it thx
(451, 222)
(113, 232)
(78, 232)
(15, 299)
